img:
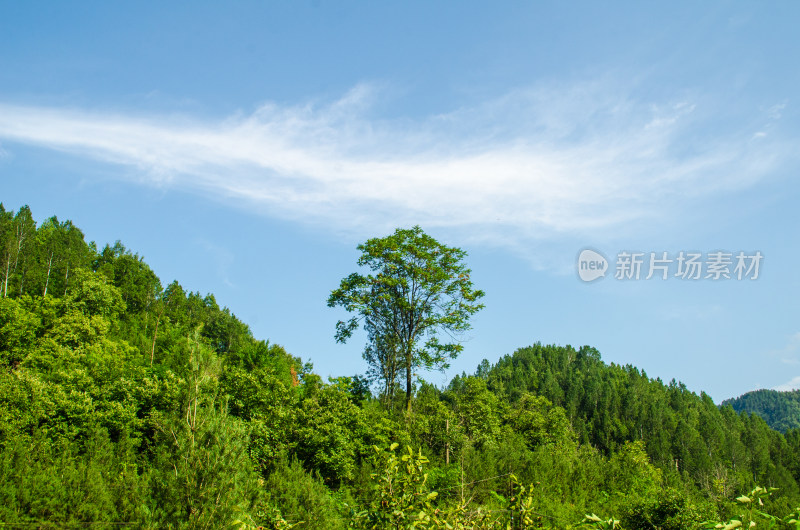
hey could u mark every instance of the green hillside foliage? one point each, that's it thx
(128, 403)
(781, 410)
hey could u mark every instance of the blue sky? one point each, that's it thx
(246, 148)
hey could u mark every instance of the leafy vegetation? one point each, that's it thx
(420, 288)
(127, 403)
(781, 410)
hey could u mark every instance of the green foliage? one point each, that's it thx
(781, 410)
(46, 483)
(125, 403)
(685, 435)
(539, 421)
(401, 497)
(204, 477)
(630, 470)
(18, 329)
(750, 512)
(594, 521)
(303, 499)
(331, 434)
(479, 411)
(668, 509)
(418, 289)
(436, 425)
(356, 387)
(521, 512)
(793, 519)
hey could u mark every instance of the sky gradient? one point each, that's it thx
(245, 149)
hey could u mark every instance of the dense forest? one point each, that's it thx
(781, 410)
(124, 402)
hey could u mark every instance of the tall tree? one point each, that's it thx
(6, 245)
(52, 238)
(16, 233)
(418, 289)
(381, 353)
(24, 234)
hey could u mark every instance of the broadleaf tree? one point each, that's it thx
(418, 290)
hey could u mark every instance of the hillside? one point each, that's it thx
(124, 402)
(609, 405)
(781, 410)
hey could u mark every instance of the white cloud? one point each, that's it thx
(576, 160)
(775, 112)
(792, 384)
(789, 354)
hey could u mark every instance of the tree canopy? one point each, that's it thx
(418, 290)
(127, 404)
(781, 410)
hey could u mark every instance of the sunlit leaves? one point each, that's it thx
(417, 290)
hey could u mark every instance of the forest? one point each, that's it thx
(125, 402)
(781, 410)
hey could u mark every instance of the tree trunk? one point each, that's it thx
(8, 271)
(408, 387)
(66, 280)
(389, 377)
(20, 239)
(387, 392)
(47, 280)
(447, 444)
(155, 334)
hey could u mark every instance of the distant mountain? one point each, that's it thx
(116, 392)
(781, 410)
(609, 405)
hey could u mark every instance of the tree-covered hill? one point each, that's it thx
(127, 403)
(781, 410)
(610, 405)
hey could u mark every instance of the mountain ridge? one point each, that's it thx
(780, 409)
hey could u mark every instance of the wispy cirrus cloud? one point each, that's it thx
(792, 384)
(790, 353)
(529, 165)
